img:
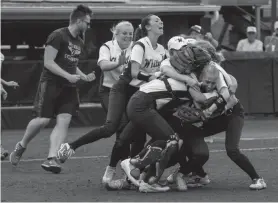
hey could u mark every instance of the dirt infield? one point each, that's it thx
(80, 179)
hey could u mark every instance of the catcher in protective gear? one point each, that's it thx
(190, 59)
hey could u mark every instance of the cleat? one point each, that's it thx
(16, 155)
(52, 166)
(127, 168)
(258, 184)
(121, 184)
(146, 188)
(108, 175)
(4, 153)
(197, 181)
(64, 152)
(180, 182)
(209, 140)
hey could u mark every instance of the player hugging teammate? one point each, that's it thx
(177, 101)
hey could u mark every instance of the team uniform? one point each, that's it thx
(55, 94)
(150, 59)
(110, 51)
(231, 121)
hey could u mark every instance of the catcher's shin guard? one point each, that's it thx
(171, 148)
(149, 155)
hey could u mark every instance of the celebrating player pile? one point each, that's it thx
(177, 101)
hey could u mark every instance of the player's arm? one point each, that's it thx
(104, 59)
(53, 44)
(234, 85)
(224, 73)
(172, 73)
(136, 59)
(88, 78)
(4, 94)
(82, 75)
(3, 82)
(197, 95)
(50, 54)
(223, 98)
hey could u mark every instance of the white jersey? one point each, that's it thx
(110, 51)
(158, 90)
(149, 58)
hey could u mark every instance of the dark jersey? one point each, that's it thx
(69, 50)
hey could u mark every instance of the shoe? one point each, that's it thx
(65, 152)
(16, 155)
(52, 165)
(258, 184)
(147, 188)
(197, 181)
(127, 168)
(180, 182)
(4, 153)
(120, 184)
(108, 175)
(171, 178)
(209, 140)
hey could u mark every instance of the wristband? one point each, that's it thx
(143, 76)
(220, 103)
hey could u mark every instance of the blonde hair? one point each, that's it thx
(115, 29)
(209, 69)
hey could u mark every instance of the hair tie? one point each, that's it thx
(140, 26)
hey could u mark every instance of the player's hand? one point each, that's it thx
(73, 78)
(4, 93)
(122, 58)
(91, 77)
(207, 113)
(12, 84)
(208, 36)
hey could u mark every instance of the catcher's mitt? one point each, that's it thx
(189, 114)
(189, 58)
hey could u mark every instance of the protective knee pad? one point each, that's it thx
(171, 149)
(149, 154)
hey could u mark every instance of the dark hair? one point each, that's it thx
(141, 31)
(80, 12)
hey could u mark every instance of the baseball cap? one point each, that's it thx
(251, 29)
(276, 25)
(176, 43)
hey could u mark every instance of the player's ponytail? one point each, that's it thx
(141, 31)
(113, 30)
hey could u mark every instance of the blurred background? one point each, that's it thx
(25, 25)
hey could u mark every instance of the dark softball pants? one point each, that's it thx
(116, 120)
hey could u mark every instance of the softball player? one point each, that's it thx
(145, 59)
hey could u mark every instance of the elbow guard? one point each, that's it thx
(143, 76)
